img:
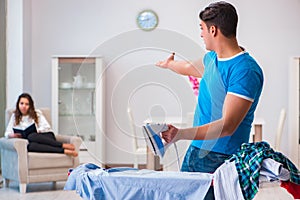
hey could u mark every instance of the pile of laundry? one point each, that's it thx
(240, 175)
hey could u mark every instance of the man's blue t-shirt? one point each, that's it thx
(240, 76)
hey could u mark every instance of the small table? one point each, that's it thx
(257, 124)
(153, 161)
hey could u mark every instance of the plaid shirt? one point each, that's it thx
(248, 161)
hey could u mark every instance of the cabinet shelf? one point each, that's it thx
(76, 88)
(76, 60)
(76, 115)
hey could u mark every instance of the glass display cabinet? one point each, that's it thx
(77, 101)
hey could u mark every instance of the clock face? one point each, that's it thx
(147, 20)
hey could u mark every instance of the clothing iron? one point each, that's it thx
(152, 132)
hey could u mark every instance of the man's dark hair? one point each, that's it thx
(222, 15)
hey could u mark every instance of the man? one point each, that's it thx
(230, 87)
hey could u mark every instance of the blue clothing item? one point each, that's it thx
(77, 173)
(240, 76)
(131, 183)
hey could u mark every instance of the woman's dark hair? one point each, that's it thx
(31, 111)
(222, 15)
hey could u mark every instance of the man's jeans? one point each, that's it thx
(200, 160)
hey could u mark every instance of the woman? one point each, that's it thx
(42, 139)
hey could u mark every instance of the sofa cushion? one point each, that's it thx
(48, 160)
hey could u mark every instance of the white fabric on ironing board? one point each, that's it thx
(226, 182)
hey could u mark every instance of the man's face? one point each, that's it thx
(206, 35)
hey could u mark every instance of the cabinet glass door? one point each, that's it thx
(76, 97)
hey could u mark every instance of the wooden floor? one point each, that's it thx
(38, 191)
(46, 191)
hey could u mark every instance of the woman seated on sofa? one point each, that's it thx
(34, 127)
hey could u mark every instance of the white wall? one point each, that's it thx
(27, 52)
(14, 51)
(268, 29)
(19, 70)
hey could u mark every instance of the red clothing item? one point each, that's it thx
(292, 188)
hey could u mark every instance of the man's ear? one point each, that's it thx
(213, 30)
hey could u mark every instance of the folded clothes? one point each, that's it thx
(272, 170)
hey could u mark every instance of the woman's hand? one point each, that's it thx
(15, 135)
(171, 134)
(165, 63)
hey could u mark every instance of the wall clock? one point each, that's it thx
(147, 20)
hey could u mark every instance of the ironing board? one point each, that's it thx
(92, 182)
